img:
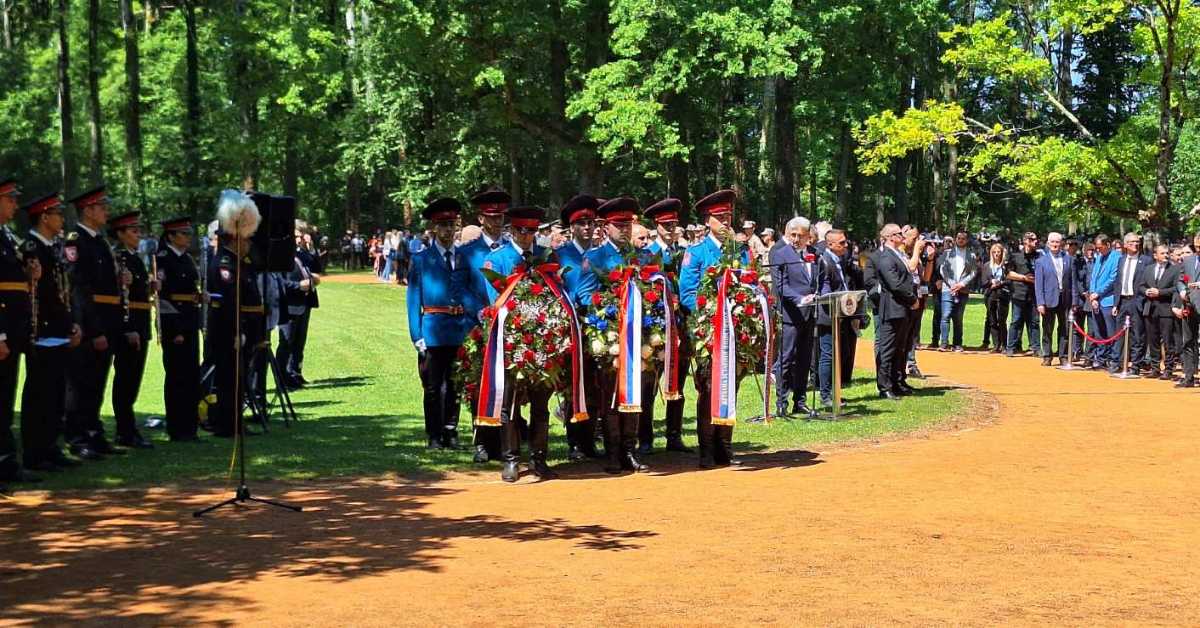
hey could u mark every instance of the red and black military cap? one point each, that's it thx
(91, 197)
(178, 223)
(717, 203)
(39, 206)
(442, 210)
(620, 209)
(665, 211)
(526, 216)
(128, 219)
(492, 201)
(8, 187)
(581, 207)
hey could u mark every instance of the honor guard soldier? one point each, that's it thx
(54, 334)
(620, 428)
(232, 279)
(717, 208)
(15, 283)
(179, 300)
(96, 288)
(522, 251)
(130, 346)
(579, 214)
(443, 305)
(491, 205)
(665, 215)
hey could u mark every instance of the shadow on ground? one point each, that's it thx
(139, 556)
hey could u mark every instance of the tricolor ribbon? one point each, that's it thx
(765, 306)
(492, 382)
(723, 384)
(670, 384)
(629, 340)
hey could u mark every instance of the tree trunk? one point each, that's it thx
(96, 167)
(1166, 143)
(841, 194)
(191, 120)
(247, 103)
(291, 159)
(935, 170)
(514, 170)
(70, 170)
(6, 23)
(766, 139)
(785, 149)
(559, 60)
(133, 109)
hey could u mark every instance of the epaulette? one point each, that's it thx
(74, 235)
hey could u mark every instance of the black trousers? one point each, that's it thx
(1189, 338)
(1055, 317)
(128, 366)
(891, 339)
(539, 424)
(181, 385)
(997, 320)
(651, 382)
(794, 363)
(292, 339)
(716, 441)
(1128, 307)
(43, 402)
(10, 369)
(582, 435)
(86, 379)
(1160, 341)
(441, 398)
(848, 341)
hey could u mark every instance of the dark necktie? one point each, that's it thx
(528, 257)
(449, 266)
(1158, 273)
(495, 245)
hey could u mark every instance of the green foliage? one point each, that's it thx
(886, 136)
(990, 47)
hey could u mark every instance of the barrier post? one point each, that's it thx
(1070, 364)
(1125, 374)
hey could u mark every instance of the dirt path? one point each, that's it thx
(1055, 515)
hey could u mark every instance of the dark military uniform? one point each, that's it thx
(129, 361)
(224, 271)
(179, 313)
(96, 303)
(42, 399)
(14, 332)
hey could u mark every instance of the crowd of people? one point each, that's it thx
(78, 303)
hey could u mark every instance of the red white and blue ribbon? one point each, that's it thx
(723, 384)
(764, 306)
(670, 384)
(629, 339)
(549, 274)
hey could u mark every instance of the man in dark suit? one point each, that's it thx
(896, 299)
(1129, 303)
(836, 275)
(1054, 292)
(1157, 288)
(794, 278)
(1185, 305)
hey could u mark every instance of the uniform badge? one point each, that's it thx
(71, 253)
(687, 258)
(226, 275)
(488, 264)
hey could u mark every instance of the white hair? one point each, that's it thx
(799, 222)
(823, 227)
(237, 214)
(1053, 235)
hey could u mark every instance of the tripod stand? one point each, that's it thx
(242, 494)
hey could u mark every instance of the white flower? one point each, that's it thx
(612, 336)
(597, 346)
(656, 340)
(647, 351)
(614, 350)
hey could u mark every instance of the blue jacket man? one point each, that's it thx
(1053, 289)
(443, 304)
(1101, 287)
(577, 215)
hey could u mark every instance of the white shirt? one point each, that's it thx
(492, 244)
(1058, 266)
(441, 251)
(1127, 284)
(89, 230)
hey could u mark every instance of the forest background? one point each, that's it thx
(991, 114)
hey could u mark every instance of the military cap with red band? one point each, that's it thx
(581, 207)
(620, 209)
(717, 203)
(492, 202)
(442, 210)
(39, 206)
(94, 196)
(526, 216)
(8, 187)
(665, 211)
(129, 219)
(178, 223)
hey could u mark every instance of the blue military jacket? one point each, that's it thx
(476, 252)
(503, 261)
(577, 275)
(431, 285)
(698, 259)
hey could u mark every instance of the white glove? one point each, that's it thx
(420, 345)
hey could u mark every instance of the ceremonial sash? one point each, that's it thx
(765, 307)
(549, 273)
(671, 337)
(629, 360)
(723, 382)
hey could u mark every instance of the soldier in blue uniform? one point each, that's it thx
(715, 441)
(620, 428)
(665, 215)
(15, 273)
(443, 306)
(522, 250)
(491, 204)
(579, 215)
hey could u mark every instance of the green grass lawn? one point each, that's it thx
(362, 415)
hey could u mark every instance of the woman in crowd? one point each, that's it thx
(996, 295)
